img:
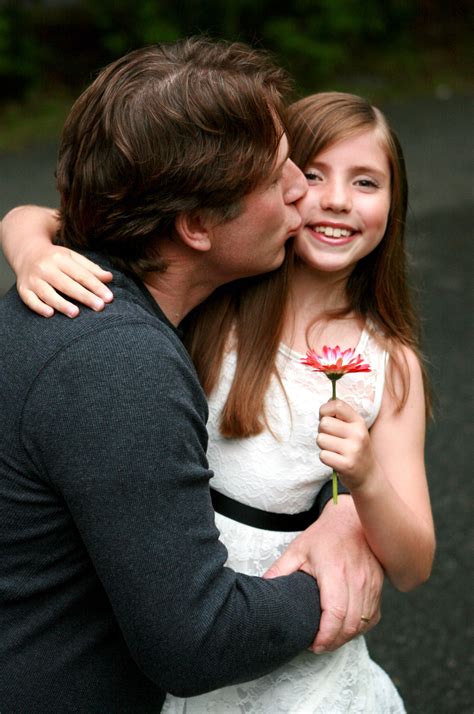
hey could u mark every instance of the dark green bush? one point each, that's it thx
(61, 43)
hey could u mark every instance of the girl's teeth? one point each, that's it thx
(333, 232)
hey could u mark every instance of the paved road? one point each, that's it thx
(425, 639)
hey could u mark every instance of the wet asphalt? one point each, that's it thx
(425, 639)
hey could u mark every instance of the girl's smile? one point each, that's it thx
(333, 233)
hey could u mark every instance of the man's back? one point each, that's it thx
(61, 647)
(112, 583)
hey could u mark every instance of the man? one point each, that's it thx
(173, 167)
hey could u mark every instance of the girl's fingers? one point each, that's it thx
(50, 296)
(327, 442)
(46, 309)
(338, 409)
(335, 427)
(104, 275)
(334, 461)
(46, 283)
(47, 296)
(81, 286)
(73, 289)
(88, 276)
(35, 304)
(63, 266)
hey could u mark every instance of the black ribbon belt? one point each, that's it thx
(263, 519)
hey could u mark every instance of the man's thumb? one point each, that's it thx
(286, 564)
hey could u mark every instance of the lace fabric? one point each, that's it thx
(281, 472)
(342, 682)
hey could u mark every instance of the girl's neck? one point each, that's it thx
(318, 292)
(313, 298)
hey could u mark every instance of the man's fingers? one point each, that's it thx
(334, 596)
(288, 563)
(371, 608)
(330, 626)
(371, 587)
(373, 620)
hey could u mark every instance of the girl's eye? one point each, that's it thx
(367, 183)
(312, 176)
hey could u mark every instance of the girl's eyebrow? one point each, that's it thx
(353, 169)
(368, 170)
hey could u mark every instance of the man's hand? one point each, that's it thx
(335, 552)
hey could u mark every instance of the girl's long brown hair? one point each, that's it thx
(377, 289)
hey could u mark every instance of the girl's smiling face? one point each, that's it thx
(346, 209)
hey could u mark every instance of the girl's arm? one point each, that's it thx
(44, 270)
(385, 472)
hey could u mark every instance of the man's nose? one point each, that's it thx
(296, 185)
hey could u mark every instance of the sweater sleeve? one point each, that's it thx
(116, 423)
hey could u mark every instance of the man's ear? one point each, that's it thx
(193, 230)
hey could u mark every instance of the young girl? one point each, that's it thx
(274, 438)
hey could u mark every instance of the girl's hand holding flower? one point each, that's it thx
(335, 363)
(345, 444)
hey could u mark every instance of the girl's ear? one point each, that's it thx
(194, 230)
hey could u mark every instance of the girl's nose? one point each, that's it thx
(336, 197)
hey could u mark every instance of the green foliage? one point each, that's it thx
(57, 44)
(35, 119)
(320, 37)
(303, 53)
(19, 66)
(122, 25)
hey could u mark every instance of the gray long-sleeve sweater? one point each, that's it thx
(112, 584)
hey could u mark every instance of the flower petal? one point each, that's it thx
(334, 363)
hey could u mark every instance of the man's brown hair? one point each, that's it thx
(165, 130)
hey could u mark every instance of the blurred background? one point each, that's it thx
(49, 49)
(414, 59)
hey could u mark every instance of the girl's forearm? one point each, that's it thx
(402, 541)
(25, 228)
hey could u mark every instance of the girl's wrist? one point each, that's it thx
(371, 484)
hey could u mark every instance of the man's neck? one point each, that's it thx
(177, 292)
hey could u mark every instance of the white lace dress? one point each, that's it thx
(283, 474)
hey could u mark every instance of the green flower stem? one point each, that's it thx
(334, 474)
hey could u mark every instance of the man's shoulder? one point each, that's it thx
(28, 343)
(129, 305)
